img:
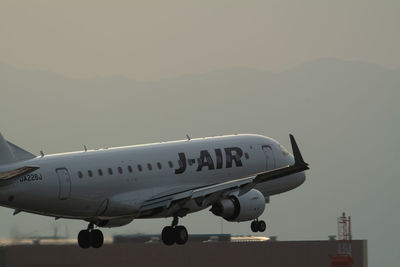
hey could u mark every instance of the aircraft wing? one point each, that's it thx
(209, 194)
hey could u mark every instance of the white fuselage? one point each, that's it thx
(79, 185)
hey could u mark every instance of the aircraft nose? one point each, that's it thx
(300, 177)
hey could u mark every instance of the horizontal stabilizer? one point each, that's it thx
(7, 175)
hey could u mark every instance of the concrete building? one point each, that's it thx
(202, 254)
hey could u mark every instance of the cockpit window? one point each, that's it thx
(283, 149)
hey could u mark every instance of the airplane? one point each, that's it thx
(233, 175)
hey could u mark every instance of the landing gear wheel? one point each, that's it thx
(258, 226)
(254, 226)
(261, 226)
(96, 238)
(84, 239)
(167, 235)
(181, 235)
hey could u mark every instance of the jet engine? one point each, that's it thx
(114, 222)
(237, 208)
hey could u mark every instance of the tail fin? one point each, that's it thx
(10, 153)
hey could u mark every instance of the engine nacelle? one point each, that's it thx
(237, 208)
(114, 222)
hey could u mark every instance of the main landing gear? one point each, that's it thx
(258, 226)
(174, 233)
(90, 237)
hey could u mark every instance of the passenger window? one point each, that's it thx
(100, 172)
(90, 173)
(149, 166)
(120, 170)
(129, 168)
(159, 165)
(171, 165)
(246, 155)
(139, 167)
(110, 172)
(80, 175)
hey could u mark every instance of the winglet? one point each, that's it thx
(298, 159)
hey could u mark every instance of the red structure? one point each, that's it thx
(343, 257)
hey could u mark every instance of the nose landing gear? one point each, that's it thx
(174, 234)
(258, 226)
(90, 237)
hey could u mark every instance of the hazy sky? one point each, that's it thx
(147, 40)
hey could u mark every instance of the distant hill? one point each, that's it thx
(324, 95)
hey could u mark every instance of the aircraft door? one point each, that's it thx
(64, 183)
(269, 157)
